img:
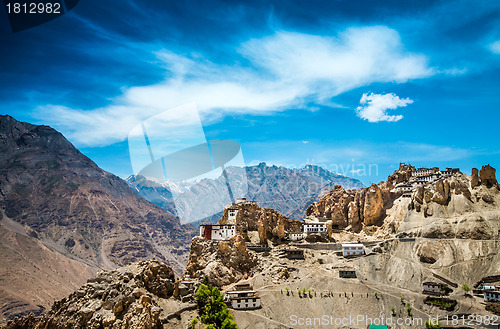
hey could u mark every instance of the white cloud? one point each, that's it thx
(355, 57)
(374, 107)
(495, 47)
(285, 70)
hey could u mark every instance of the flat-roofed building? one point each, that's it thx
(295, 236)
(294, 253)
(218, 232)
(347, 273)
(243, 298)
(491, 296)
(431, 288)
(314, 227)
(352, 249)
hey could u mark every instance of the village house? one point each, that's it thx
(425, 172)
(352, 249)
(450, 171)
(243, 298)
(431, 288)
(405, 188)
(347, 273)
(314, 227)
(295, 236)
(428, 179)
(218, 232)
(491, 296)
(294, 253)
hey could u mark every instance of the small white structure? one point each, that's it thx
(231, 215)
(186, 286)
(243, 299)
(217, 232)
(425, 171)
(187, 280)
(295, 236)
(450, 171)
(432, 287)
(406, 189)
(429, 178)
(491, 296)
(314, 227)
(241, 200)
(352, 249)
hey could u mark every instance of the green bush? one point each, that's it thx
(213, 311)
(193, 323)
(408, 309)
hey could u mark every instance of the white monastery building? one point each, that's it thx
(217, 232)
(312, 227)
(243, 298)
(352, 249)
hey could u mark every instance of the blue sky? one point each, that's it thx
(342, 84)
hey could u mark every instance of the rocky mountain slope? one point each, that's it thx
(134, 296)
(52, 195)
(288, 191)
(380, 210)
(33, 275)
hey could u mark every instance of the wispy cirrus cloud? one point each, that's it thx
(281, 71)
(374, 107)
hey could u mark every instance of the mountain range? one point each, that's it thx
(289, 191)
(63, 218)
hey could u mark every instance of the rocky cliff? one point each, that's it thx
(129, 297)
(268, 223)
(381, 209)
(455, 208)
(226, 262)
(222, 262)
(55, 195)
